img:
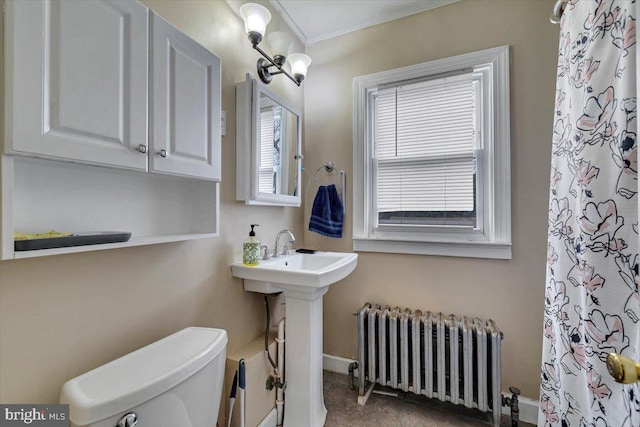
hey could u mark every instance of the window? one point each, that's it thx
(431, 158)
(269, 149)
(274, 129)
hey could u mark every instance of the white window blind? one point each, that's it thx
(265, 182)
(425, 135)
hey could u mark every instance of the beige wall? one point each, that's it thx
(63, 315)
(511, 292)
(66, 314)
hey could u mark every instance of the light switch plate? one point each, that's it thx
(223, 123)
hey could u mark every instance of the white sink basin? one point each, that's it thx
(301, 271)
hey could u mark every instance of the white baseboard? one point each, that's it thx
(528, 407)
(271, 420)
(336, 364)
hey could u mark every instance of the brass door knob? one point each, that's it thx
(623, 369)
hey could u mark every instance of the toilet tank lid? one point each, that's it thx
(142, 375)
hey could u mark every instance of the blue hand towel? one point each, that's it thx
(327, 212)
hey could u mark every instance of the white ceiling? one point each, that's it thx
(315, 20)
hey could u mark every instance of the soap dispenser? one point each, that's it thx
(251, 249)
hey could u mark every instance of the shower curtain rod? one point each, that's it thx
(558, 8)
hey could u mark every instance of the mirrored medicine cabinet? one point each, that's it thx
(268, 147)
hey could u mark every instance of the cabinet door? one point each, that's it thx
(185, 105)
(77, 80)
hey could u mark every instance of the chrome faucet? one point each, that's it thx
(285, 251)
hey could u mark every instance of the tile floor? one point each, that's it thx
(406, 410)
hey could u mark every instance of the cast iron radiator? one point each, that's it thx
(451, 358)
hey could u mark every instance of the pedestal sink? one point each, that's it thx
(304, 279)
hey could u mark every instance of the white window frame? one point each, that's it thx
(266, 136)
(492, 236)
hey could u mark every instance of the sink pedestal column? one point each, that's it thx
(304, 402)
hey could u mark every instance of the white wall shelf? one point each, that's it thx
(40, 195)
(139, 241)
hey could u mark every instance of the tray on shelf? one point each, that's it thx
(76, 239)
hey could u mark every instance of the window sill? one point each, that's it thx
(456, 249)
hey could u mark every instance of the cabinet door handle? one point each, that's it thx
(142, 148)
(163, 153)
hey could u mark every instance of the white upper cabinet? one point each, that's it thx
(89, 81)
(185, 105)
(77, 74)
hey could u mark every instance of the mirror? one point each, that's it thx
(268, 154)
(278, 136)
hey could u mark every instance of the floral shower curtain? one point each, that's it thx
(592, 305)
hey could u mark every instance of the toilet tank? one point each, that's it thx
(176, 381)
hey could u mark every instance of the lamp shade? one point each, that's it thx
(255, 17)
(280, 43)
(299, 63)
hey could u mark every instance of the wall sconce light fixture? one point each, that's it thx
(256, 17)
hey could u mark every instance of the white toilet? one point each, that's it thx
(176, 381)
